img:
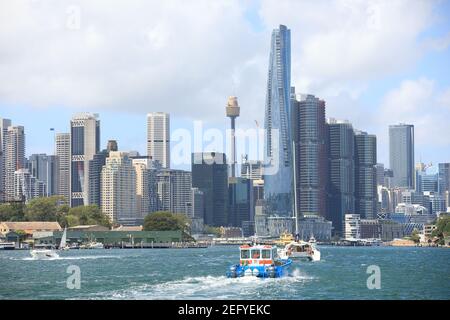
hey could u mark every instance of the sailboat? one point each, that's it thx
(51, 253)
(297, 248)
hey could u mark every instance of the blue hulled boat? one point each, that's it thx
(259, 261)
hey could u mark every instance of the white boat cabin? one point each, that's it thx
(258, 255)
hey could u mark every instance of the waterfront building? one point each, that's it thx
(63, 158)
(277, 144)
(277, 225)
(174, 190)
(44, 168)
(370, 229)
(210, 175)
(310, 137)
(119, 189)
(366, 201)
(401, 155)
(158, 138)
(4, 124)
(85, 143)
(352, 226)
(391, 230)
(341, 185)
(316, 227)
(14, 158)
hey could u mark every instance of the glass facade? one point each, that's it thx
(401, 155)
(277, 152)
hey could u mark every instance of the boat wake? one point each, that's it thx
(67, 258)
(205, 287)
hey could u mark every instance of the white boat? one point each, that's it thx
(44, 254)
(63, 244)
(95, 245)
(50, 253)
(300, 250)
(7, 245)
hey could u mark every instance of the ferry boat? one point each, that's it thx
(260, 261)
(300, 250)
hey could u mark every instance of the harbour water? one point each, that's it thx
(406, 273)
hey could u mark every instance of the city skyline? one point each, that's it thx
(407, 83)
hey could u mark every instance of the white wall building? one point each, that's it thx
(352, 226)
(119, 189)
(62, 152)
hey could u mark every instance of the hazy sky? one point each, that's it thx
(375, 63)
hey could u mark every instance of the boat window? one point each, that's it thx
(274, 253)
(245, 254)
(256, 254)
(266, 254)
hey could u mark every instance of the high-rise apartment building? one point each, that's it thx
(210, 175)
(85, 143)
(401, 155)
(341, 185)
(310, 137)
(63, 158)
(158, 137)
(174, 190)
(14, 157)
(277, 144)
(444, 177)
(366, 195)
(26, 186)
(4, 124)
(119, 189)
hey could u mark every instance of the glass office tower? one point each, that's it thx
(277, 152)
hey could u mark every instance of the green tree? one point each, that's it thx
(442, 229)
(168, 221)
(212, 230)
(86, 215)
(12, 212)
(415, 236)
(43, 209)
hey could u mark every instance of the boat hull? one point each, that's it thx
(267, 271)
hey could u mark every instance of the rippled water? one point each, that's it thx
(406, 273)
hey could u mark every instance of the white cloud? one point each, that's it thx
(342, 45)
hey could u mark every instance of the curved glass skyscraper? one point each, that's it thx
(277, 151)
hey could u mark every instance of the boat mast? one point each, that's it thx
(295, 188)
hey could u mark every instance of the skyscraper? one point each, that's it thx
(85, 143)
(62, 147)
(401, 155)
(44, 168)
(4, 124)
(444, 177)
(277, 145)
(119, 189)
(158, 137)
(366, 199)
(341, 185)
(26, 186)
(14, 157)
(174, 190)
(210, 175)
(310, 137)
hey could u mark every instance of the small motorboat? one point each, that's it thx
(260, 261)
(44, 254)
(95, 245)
